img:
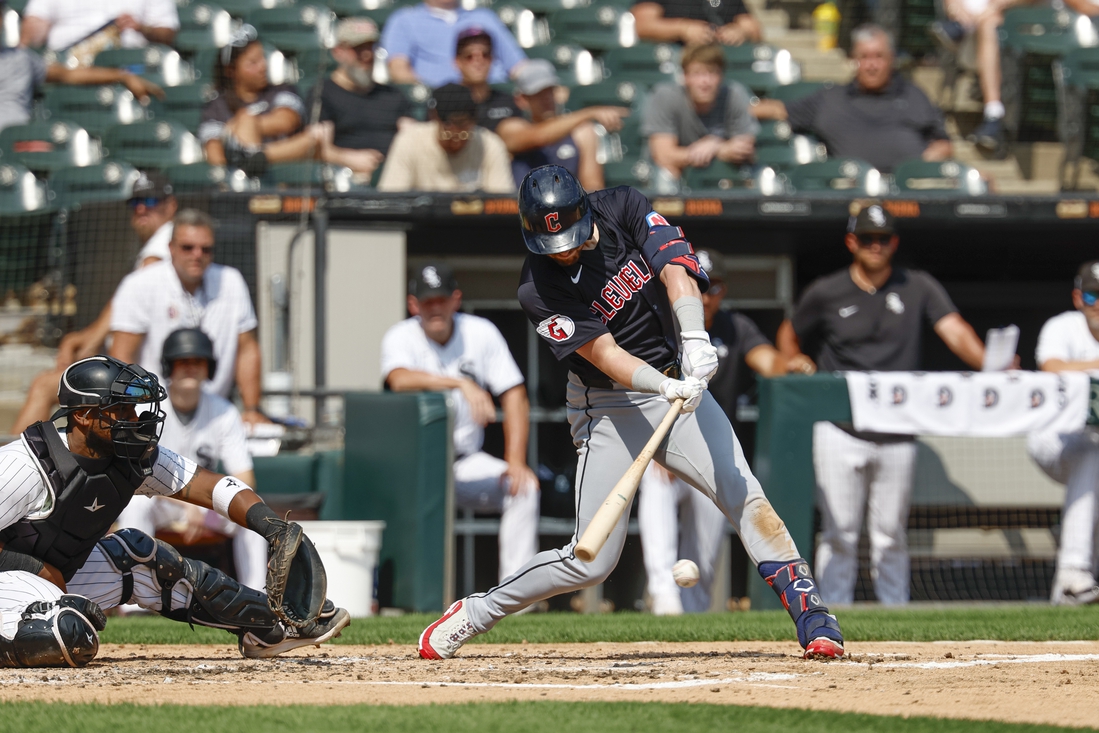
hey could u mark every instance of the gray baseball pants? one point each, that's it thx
(609, 428)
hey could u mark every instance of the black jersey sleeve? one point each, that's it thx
(807, 314)
(937, 303)
(748, 335)
(560, 317)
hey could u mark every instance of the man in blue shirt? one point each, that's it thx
(420, 43)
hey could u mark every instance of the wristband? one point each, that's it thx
(647, 379)
(225, 491)
(689, 313)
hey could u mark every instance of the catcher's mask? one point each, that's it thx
(104, 382)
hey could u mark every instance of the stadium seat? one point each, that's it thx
(719, 175)
(552, 6)
(631, 172)
(20, 191)
(153, 144)
(529, 29)
(295, 28)
(794, 151)
(797, 90)
(196, 176)
(241, 8)
(202, 26)
(377, 10)
(9, 27)
(113, 181)
(766, 75)
(1076, 78)
(330, 178)
(160, 64)
(598, 27)
(948, 176)
(183, 104)
(914, 17)
(843, 176)
(49, 146)
(575, 66)
(645, 63)
(94, 108)
(624, 94)
(418, 96)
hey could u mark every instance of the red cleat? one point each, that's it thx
(445, 637)
(823, 648)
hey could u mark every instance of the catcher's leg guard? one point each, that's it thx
(61, 633)
(818, 631)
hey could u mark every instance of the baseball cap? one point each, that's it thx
(433, 280)
(534, 76)
(152, 184)
(872, 219)
(452, 100)
(474, 32)
(1087, 278)
(356, 31)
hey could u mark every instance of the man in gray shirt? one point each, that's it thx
(706, 118)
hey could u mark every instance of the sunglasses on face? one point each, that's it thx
(462, 135)
(1089, 298)
(869, 240)
(189, 248)
(148, 202)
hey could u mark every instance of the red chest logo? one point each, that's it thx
(552, 223)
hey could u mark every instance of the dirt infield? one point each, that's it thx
(1054, 683)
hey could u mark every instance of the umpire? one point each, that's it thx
(869, 316)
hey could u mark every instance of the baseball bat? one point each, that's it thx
(602, 524)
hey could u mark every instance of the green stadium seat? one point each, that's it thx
(528, 28)
(196, 176)
(49, 146)
(160, 64)
(843, 176)
(645, 63)
(377, 10)
(113, 181)
(623, 94)
(1076, 77)
(183, 104)
(795, 151)
(153, 144)
(295, 28)
(94, 108)
(552, 6)
(330, 178)
(720, 176)
(576, 66)
(17, 5)
(598, 27)
(241, 8)
(418, 96)
(202, 26)
(631, 172)
(948, 176)
(797, 90)
(21, 192)
(914, 18)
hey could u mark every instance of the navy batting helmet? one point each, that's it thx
(553, 211)
(187, 343)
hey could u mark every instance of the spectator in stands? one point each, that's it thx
(869, 316)
(251, 122)
(449, 153)
(880, 117)
(358, 118)
(207, 429)
(704, 119)
(419, 42)
(62, 23)
(153, 204)
(1069, 342)
(473, 57)
(441, 349)
(190, 291)
(696, 22)
(23, 72)
(567, 140)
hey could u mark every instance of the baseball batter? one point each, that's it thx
(615, 291)
(59, 495)
(1070, 342)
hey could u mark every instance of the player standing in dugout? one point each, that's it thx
(615, 291)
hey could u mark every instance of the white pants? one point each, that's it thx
(1073, 460)
(853, 474)
(479, 486)
(149, 514)
(677, 521)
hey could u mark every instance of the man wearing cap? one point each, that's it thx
(449, 153)
(1069, 342)
(869, 316)
(420, 42)
(358, 118)
(441, 349)
(567, 140)
(152, 206)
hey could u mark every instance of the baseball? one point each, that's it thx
(685, 573)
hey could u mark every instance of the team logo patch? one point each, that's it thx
(557, 328)
(552, 224)
(991, 397)
(431, 277)
(1037, 399)
(656, 220)
(893, 303)
(945, 396)
(899, 395)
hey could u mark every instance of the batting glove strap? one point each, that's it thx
(794, 584)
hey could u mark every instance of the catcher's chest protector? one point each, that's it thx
(86, 502)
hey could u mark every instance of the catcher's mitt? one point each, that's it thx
(296, 581)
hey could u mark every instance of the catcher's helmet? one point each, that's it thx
(102, 381)
(187, 343)
(553, 211)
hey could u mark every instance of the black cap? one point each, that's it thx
(872, 219)
(1088, 277)
(152, 184)
(433, 280)
(452, 100)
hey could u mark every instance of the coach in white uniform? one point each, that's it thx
(1069, 342)
(440, 349)
(869, 316)
(208, 430)
(191, 291)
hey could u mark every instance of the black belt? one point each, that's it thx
(668, 370)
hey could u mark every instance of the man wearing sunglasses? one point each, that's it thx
(191, 291)
(869, 316)
(1069, 342)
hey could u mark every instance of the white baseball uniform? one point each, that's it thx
(152, 301)
(156, 246)
(24, 492)
(476, 350)
(1071, 458)
(213, 435)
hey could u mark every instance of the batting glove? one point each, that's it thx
(699, 355)
(689, 389)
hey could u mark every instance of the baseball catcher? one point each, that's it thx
(59, 567)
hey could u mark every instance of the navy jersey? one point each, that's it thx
(610, 289)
